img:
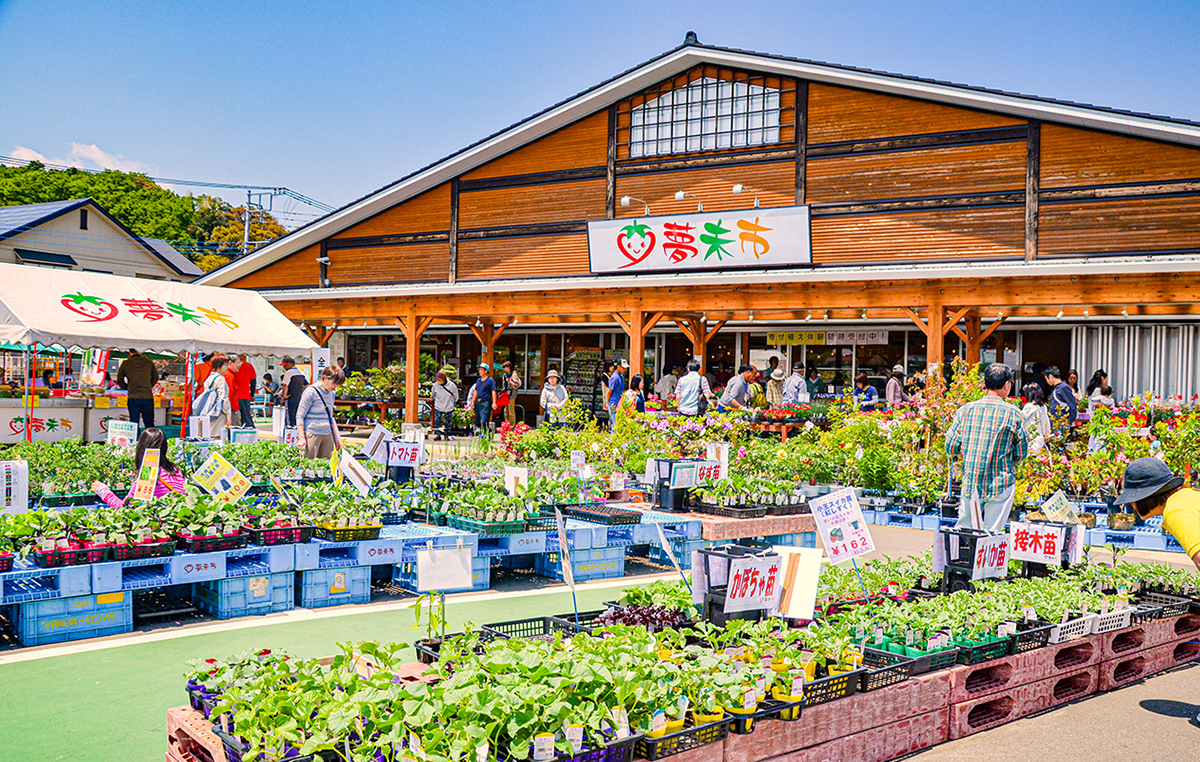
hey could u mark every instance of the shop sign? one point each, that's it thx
(1040, 543)
(753, 584)
(826, 338)
(770, 237)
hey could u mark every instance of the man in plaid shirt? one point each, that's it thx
(990, 437)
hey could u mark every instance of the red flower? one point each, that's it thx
(210, 661)
(264, 652)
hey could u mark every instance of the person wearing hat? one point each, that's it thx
(445, 397)
(614, 390)
(482, 398)
(774, 390)
(794, 386)
(291, 384)
(1152, 490)
(554, 396)
(894, 392)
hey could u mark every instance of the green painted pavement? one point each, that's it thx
(110, 705)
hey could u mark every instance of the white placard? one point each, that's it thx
(374, 448)
(320, 361)
(722, 240)
(122, 433)
(1058, 508)
(841, 525)
(683, 475)
(48, 424)
(564, 552)
(443, 569)
(405, 454)
(801, 572)
(278, 422)
(241, 434)
(356, 473)
(753, 584)
(709, 471)
(199, 427)
(617, 482)
(577, 459)
(291, 436)
(718, 451)
(14, 486)
(991, 557)
(515, 476)
(1039, 543)
(699, 577)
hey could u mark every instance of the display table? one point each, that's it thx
(782, 429)
(57, 418)
(721, 529)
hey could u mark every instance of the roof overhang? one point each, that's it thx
(668, 65)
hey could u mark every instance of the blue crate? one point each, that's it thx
(929, 521)
(797, 540)
(1149, 538)
(62, 619)
(603, 563)
(1108, 537)
(316, 588)
(28, 582)
(869, 515)
(198, 567)
(527, 542)
(947, 522)
(405, 575)
(517, 562)
(897, 519)
(138, 574)
(1172, 543)
(246, 595)
(272, 558)
(620, 536)
(682, 550)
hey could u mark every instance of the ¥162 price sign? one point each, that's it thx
(753, 584)
(991, 557)
(841, 525)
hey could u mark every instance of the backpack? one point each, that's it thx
(502, 399)
(208, 404)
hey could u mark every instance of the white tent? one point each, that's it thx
(83, 309)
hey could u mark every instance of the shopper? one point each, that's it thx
(512, 385)
(1153, 490)
(200, 375)
(794, 386)
(774, 388)
(482, 398)
(215, 406)
(772, 365)
(894, 391)
(170, 476)
(245, 379)
(737, 391)
(615, 388)
(554, 396)
(137, 375)
(1102, 396)
(865, 395)
(1099, 380)
(1035, 417)
(989, 435)
(445, 398)
(632, 400)
(693, 391)
(318, 434)
(1073, 382)
(815, 384)
(341, 362)
(1061, 400)
(270, 388)
(291, 385)
(667, 383)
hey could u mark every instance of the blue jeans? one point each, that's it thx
(441, 421)
(483, 414)
(141, 410)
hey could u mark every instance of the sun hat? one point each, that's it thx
(777, 374)
(1146, 477)
(552, 374)
(897, 368)
(624, 363)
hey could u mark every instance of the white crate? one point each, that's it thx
(1073, 629)
(1113, 620)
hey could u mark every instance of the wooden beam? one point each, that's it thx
(723, 160)
(479, 333)
(500, 329)
(953, 321)
(684, 325)
(1033, 170)
(939, 140)
(959, 333)
(991, 329)
(623, 323)
(453, 269)
(935, 340)
(610, 167)
(713, 331)
(916, 319)
(801, 121)
(973, 340)
(653, 321)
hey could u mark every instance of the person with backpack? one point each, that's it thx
(292, 385)
(693, 391)
(318, 433)
(213, 402)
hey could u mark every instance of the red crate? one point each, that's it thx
(881, 743)
(996, 709)
(972, 681)
(1131, 667)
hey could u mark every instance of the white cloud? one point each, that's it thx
(84, 156)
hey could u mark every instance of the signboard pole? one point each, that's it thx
(564, 557)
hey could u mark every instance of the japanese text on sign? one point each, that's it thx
(991, 557)
(1039, 543)
(220, 479)
(827, 338)
(841, 525)
(753, 584)
(405, 454)
(708, 471)
(96, 309)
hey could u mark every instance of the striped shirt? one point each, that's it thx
(989, 435)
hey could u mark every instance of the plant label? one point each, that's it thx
(621, 718)
(147, 478)
(221, 480)
(841, 525)
(481, 752)
(14, 486)
(749, 700)
(122, 433)
(1038, 543)
(574, 735)
(753, 584)
(991, 557)
(797, 685)
(577, 459)
(515, 476)
(658, 721)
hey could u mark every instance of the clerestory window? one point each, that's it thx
(708, 114)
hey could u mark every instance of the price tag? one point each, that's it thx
(841, 525)
(221, 480)
(991, 557)
(14, 486)
(749, 700)
(147, 477)
(753, 584)
(543, 746)
(616, 482)
(577, 459)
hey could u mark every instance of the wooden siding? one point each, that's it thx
(406, 263)
(426, 213)
(581, 144)
(939, 234)
(840, 114)
(917, 174)
(1074, 158)
(523, 257)
(295, 270)
(774, 182)
(530, 204)
(1141, 224)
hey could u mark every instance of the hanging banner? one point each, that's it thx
(841, 525)
(147, 477)
(771, 237)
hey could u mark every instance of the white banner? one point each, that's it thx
(841, 525)
(712, 240)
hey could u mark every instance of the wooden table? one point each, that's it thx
(782, 429)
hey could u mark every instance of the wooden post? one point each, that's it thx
(974, 340)
(1033, 184)
(379, 342)
(414, 328)
(637, 343)
(745, 358)
(545, 359)
(935, 340)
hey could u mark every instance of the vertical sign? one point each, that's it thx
(1039, 543)
(320, 361)
(147, 476)
(564, 552)
(841, 525)
(14, 486)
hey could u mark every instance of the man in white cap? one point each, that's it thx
(894, 392)
(793, 387)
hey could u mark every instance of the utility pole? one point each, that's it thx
(246, 228)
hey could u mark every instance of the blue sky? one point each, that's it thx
(336, 99)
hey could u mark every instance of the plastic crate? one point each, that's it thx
(280, 535)
(1030, 636)
(485, 528)
(246, 596)
(732, 512)
(788, 510)
(605, 563)
(542, 626)
(874, 657)
(1172, 605)
(691, 737)
(614, 751)
(405, 575)
(1072, 629)
(316, 588)
(143, 550)
(874, 679)
(829, 688)
(62, 619)
(976, 654)
(53, 559)
(597, 513)
(190, 544)
(6, 561)
(1112, 620)
(348, 534)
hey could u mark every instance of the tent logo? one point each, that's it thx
(93, 308)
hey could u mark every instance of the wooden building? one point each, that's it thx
(924, 219)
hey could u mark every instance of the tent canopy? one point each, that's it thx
(83, 309)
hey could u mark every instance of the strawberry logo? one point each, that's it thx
(93, 308)
(635, 241)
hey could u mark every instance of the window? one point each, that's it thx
(707, 114)
(83, 219)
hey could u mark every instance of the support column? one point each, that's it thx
(413, 328)
(636, 326)
(487, 335)
(379, 343)
(698, 332)
(935, 339)
(974, 339)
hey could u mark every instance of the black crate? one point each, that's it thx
(878, 677)
(1172, 605)
(875, 657)
(788, 510)
(614, 751)
(429, 651)
(213, 544)
(1030, 636)
(596, 513)
(142, 550)
(1144, 612)
(691, 737)
(830, 688)
(985, 652)
(280, 535)
(733, 512)
(565, 623)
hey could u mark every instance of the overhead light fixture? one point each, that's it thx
(364, 324)
(1124, 312)
(737, 189)
(681, 195)
(808, 316)
(703, 317)
(627, 200)
(1059, 315)
(864, 315)
(478, 323)
(752, 314)
(999, 314)
(1085, 314)
(826, 316)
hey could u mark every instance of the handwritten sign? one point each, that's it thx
(1039, 543)
(220, 479)
(991, 557)
(122, 433)
(709, 471)
(405, 454)
(753, 584)
(147, 477)
(841, 525)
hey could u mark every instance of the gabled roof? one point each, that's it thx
(676, 61)
(18, 219)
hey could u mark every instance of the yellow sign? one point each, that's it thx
(147, 475)
(219, 478)
(333, 469)
(780, 338)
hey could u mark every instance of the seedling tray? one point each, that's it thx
(485, 527)
(1031, 636)
(732, 512)
(875, 657)
(830, 688)
(768, 709)
(597, 513)
(1145, 612)
(348, 534)
(143, 550)
(50, 559)
(211, 544)
(787, 510)
(874, 679)
(1072, 629)
(1111, 620)
(429, 651)
(613, 751)
(691, 737)
(6, 562)
(280, 535)
(1172, 605)
(968, 654)
(542, 627)
(235, 749)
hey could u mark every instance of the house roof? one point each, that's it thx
(173, 257)
(688, 55)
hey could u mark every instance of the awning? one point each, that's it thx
(84, 309)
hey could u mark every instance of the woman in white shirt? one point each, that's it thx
(554, 396)
(1102, 395)
(1035, 417)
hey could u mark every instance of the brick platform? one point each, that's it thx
(971, 682)
(998, 708)
(1149, 635)
(879, 744)
(190, 737)
(1131, 667)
